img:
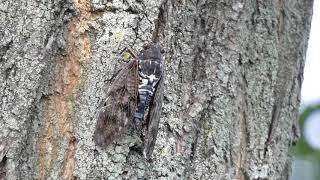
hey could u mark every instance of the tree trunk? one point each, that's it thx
(231, 93)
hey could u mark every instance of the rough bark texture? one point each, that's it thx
(233, 76)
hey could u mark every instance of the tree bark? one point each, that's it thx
(231, 93)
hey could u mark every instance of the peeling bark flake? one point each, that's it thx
(59, 114)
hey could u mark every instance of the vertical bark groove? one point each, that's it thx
(242, 158)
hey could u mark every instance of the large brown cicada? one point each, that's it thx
(136, 96)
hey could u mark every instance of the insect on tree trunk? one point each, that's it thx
(233, 72)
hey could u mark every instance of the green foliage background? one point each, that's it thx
(307, 160)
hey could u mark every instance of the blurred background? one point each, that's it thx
(306, 153)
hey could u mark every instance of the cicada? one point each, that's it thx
(134, 97)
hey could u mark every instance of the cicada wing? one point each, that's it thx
(119, 107)
(153, 119)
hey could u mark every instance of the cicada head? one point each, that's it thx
(151, 51)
